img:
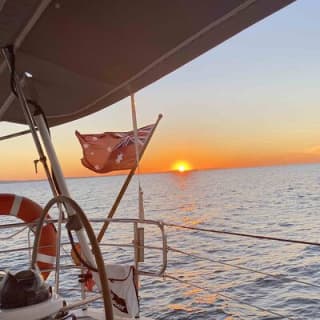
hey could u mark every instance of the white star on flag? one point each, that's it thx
(119, 158)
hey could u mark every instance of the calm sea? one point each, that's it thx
(279, 201)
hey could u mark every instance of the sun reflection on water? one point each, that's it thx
(181, 307)
(207, 298)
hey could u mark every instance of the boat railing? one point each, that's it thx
(137, 244)
(138, 241)
(165, 249)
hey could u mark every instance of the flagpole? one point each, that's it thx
(126, 183)
(135, 129)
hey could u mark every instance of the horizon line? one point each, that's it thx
(165, 171)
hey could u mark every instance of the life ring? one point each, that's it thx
(29, 211)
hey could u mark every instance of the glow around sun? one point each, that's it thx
(181, 166)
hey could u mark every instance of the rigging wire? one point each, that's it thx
(281, 277)
(14, 234)
(9, 55)
(13, 85)
(235, 266)
(259, 237)
(137, 154)
(247, 235)
(135, 131)
(191, 284)
(200, 257)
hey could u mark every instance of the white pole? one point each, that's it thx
(136, 142)
(135, 128)
(60, 180)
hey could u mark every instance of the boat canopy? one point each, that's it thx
(82, 56)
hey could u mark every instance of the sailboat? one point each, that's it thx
(63, 60)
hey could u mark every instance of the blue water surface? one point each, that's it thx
(281, 201)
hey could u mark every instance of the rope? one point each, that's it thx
(137, 154)
(188, 283)
(135, 130)
(247, 235)
(277, 276)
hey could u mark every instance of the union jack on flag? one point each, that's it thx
(128, 137)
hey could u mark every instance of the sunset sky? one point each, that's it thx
(254, 100)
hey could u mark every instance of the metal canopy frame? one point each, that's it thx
(55, 178)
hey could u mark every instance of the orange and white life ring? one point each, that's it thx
(29, 211)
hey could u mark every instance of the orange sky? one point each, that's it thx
(252, 101)
(200, 151)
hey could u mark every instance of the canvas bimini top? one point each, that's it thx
(86, 55)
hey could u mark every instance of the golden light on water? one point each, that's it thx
(181, 166)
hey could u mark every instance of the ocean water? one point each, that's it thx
(281, 201)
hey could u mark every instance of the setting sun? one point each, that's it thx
(181, 166)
